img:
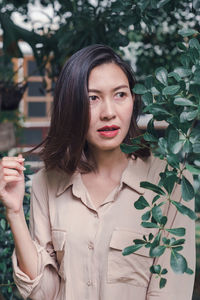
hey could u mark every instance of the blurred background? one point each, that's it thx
(36, 38)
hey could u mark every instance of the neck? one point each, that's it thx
(111, 161)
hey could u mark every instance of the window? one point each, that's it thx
(38, 96)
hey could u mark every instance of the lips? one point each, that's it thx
(109, 128)
(109, 131)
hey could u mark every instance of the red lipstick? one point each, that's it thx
(109, 131)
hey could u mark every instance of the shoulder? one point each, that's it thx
(151, 166)
(49, 179)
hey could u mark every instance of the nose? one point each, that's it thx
(108, 110)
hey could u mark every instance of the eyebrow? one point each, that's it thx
(115, 89)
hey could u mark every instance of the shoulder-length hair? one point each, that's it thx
(65, 147)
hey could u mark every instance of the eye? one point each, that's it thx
(93, 98)
(120, 95)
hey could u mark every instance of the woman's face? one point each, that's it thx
(111, 107)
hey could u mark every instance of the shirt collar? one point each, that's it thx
(135, 172)
(66, 181)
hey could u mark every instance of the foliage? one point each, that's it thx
(173, 97)
(153, 24)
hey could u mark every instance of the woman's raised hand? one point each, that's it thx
(12, 184)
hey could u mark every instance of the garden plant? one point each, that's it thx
(173, 97)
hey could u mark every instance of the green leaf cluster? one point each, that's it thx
(172, 97)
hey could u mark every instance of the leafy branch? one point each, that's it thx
(172, 97)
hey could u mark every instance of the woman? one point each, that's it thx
(82, 212)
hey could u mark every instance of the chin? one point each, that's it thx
(107, 147)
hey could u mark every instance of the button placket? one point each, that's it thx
(89, 283)
(90, 245)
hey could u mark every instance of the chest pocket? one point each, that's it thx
(133, 268)
(59, 243)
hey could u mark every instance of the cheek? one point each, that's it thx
(127, 113)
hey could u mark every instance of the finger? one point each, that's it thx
(12, 178)
(17, 158)
(10, 172)
(12, 164)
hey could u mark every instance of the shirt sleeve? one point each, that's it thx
(178, 286)
(47, 283)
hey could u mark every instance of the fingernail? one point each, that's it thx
(21, 159)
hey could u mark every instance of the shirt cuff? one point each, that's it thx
(23, 282)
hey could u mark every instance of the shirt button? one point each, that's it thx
(91, 245)
(89, 282)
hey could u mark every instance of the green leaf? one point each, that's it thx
(194, 43)
(149, 137)
(138, 241)
(3, 224)
(184, 210)
(131, 249)
(141, 203)
(177, 147)
(172, 160)
(171, 90)
(163, 220)
(157, 213)
(175, 76)
(178, 262)
(188, 115)
(187, 189)
(149, 225)
(146, 216)
(162, 143)
(169, 183)
(178, 242)
(149, 81)
(156, 110)
(194, 89)
(192, 169)
(155, 269)
(185, 60)
(187, 32)
(152, 187)
(147, 98)
(161, 3)
(189, 271)
(161, 75)
(166, 241)
(181, 46)
(177, 231)
(164, 271)
(196, 147)
(139, 89)
(155, 199)
(172, 136)
(129, 148)
(157, 251)
(183, 72)
(155, 91)
(183, 102)
(151, 236)
(163, 282)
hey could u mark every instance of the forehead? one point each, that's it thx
(108, 74)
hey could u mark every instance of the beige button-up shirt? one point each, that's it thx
(80, 247)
